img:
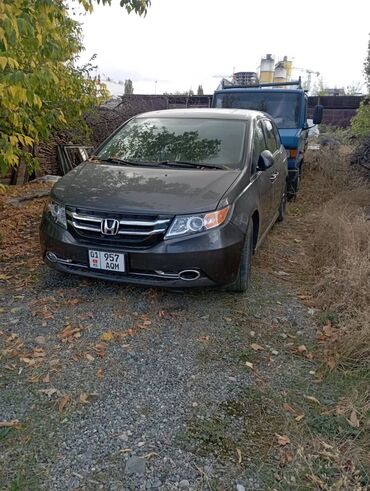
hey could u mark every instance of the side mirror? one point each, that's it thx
(317, 115)
(266, 160)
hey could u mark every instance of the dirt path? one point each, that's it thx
(131, 389)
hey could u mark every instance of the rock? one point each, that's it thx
(184, 484)
(123, 436)
(135, 465)
(40, 340)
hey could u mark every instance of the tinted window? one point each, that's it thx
(270, 136)
(283, 107)
(207, 141)
(259, 145)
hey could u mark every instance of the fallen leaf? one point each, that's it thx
(302, 348)
(125, 450)
(203, 338)
(238, 451)
(299, 417)
(12, 423)
(249, 364)
(282, 439)
(63, 403)
(312, 399)
(151, 454)
(84, 398)
(89, 357)
(257, 347)
(69, 333)
(353, 420)
(288, 408)
(100, 349)
(107, 336)
(74, 301)
(48, 392)
(100, 373)
(46, 379)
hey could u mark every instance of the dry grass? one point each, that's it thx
(339, 254)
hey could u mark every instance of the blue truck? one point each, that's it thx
(287, 103)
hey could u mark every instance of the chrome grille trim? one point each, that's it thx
(84, 217)
(130, 228)
(85, 227)
(139, 223)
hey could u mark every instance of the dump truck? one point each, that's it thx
(287, 103)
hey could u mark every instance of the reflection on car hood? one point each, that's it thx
(143, 189)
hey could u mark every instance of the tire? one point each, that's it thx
(282, 206)
(242, 281)
(293, 187)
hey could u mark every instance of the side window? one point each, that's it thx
(270, 136)
(259, 144)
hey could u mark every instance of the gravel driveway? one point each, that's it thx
(122, 388)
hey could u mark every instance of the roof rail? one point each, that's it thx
(272, 84)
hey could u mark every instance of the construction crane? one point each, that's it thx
(309, 76)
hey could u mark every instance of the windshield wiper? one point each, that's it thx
(182, 163)
(169, 163)
(114, 160)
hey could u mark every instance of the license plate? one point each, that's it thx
(111, 261)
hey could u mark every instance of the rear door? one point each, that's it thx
(277, 176)
(262, 178)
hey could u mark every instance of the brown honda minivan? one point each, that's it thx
(172, 198)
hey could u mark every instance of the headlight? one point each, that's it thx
(56, 212)
(190, 224)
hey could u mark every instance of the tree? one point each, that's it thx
(41, 87)
(200, 90)
(367, 67)
(318, 88)
(360, 123)
(191, 92)
(354, 89)
(129, 88)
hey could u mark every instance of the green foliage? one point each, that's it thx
(129, 88)
(41, 88)
(361, 121)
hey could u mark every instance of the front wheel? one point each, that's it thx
(293, 186)
(282, 206)
(242, 281)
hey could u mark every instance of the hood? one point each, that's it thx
(143, 189)
(290, 137)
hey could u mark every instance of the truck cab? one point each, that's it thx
(287, 104)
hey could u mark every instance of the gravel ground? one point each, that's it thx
(147, 379)
(123, 388)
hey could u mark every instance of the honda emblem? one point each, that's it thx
(109, 226)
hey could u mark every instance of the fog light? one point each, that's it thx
(51, 257)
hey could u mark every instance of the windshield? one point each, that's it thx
(283, 107)
(200, 141)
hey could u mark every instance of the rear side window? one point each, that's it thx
(259, 145)
(272, 144)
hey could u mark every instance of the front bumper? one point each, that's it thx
(215, 254)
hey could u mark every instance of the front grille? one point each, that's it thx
(133, 230)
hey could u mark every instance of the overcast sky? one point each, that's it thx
(184, 43)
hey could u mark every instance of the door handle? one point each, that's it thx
(274, 176)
